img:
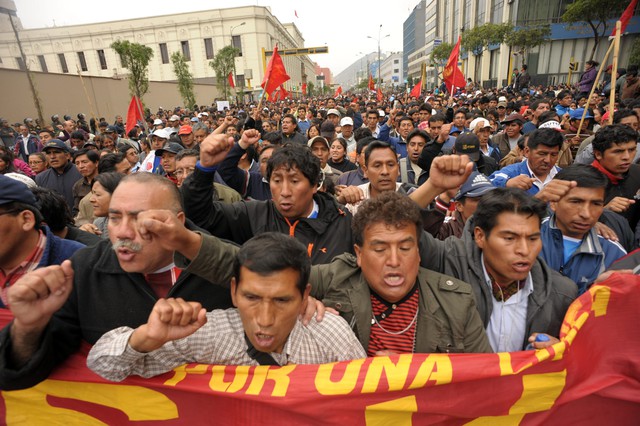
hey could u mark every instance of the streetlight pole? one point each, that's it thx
(378, 40)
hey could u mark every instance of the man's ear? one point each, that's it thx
(27, 220)
(364, 170)
(182, 217)
(234, 289)
(526, 151)
(358, 250)
(479, 236)
(597, 155)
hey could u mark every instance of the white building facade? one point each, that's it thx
(198, 36)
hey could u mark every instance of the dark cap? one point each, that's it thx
(327, 129)
(14, 191)
(111, 129)
(513, 117)
(469, 144)
(476, 185)
(56, 143)
(171, 147)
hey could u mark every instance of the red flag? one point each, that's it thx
(372, 85)
(379, 94)
(283, 93)
(296, 13)
(625, 18)
(338, 92)
(417, 90)
(453, 77)
(231, 83)
(134, 113)
(275, 74)
(304, 88)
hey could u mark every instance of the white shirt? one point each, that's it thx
(508, 323)
(541, 184)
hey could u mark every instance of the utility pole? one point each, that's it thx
(378, 40)
(36, 99)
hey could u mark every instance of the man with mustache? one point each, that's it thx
(115, 283)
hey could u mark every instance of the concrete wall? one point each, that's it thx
(63, 94)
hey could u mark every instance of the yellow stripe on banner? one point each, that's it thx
(31, 407)
(601, 295)
(396, 412)
(539, 393)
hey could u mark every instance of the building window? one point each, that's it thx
(236, 42)
(164, 54)
(20, 63)
(395, 61)
(103, 59)
(83, 61)
(43, 63)
(63, 63)
(185, 50)
(208, 48)
(396, 70)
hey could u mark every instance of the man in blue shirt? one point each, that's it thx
(570, 244)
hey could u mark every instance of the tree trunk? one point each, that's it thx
(596, 38)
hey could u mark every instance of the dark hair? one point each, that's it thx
(292, 118)
(623, 113)
(534, 105)
(174, 202)
(506, 200)
(405, 118)
(46, 131)
(363, 143)
(123, 148)
(437, 117)
(342, 142)
(372, 111)
(547, 137)
(109, 181)
(425, 107)
(548, 116)
(361, 133)
(418, 132)
(390, 208)
(275, 138)
(585, 175)
(613, 134)
(77, 135)
(563, 93)
(295, 155)
(91, 154)
(53, 207)
(7, 156)
(313, 125)
(271, 252)
(376, 144)
(16, 207)
(593, 63)
(108, 162)
(187, 153)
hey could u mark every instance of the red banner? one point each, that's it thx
(590, 377)
(451, 74)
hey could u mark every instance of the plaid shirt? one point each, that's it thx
(29, 264)
(221, 341)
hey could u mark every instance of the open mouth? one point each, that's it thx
(394, 280)
(264, 340)
(521, 266)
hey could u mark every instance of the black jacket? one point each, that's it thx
(325, 237)
(104, 297)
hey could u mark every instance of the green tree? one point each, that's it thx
(523, 39)
(634, 56)
(185, 79)
(310, 88)
(223, 64)
(135, 57)
(477, 39)
(595, 13)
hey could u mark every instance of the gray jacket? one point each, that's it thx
(461, 258)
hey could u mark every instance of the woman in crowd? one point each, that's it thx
(101, 191)
(338, 156)
(313, 131)
(38, 162)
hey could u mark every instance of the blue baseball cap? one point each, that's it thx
(576, 114)
(56, 144)
(14, 191)
(476, 185)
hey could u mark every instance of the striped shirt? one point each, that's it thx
(403, 316)
(221, 341)
(29, 264)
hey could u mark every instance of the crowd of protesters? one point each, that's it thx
(505, 203)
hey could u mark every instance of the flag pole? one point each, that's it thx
(593, 88)
(614, 70)
(139, 106)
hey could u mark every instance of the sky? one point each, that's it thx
(341, 25)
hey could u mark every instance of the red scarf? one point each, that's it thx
(614, 179)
